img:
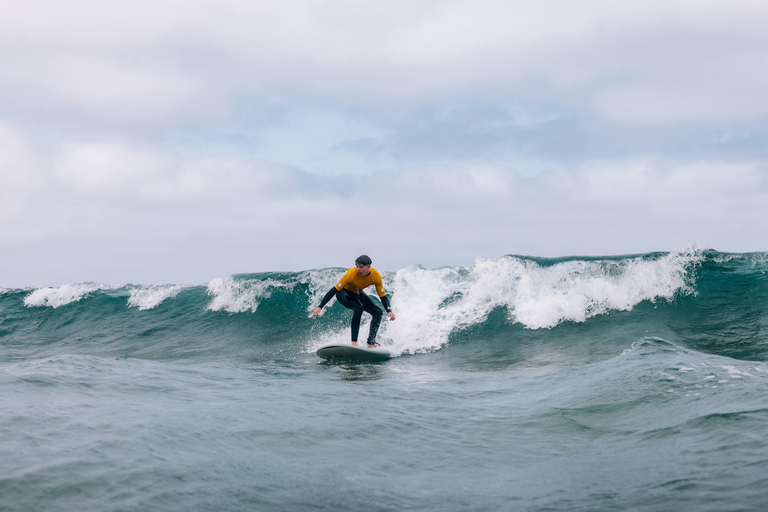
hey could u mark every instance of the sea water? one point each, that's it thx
(614, 383)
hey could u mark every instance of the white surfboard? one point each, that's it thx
(345, 351)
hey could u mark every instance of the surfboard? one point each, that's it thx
(339, 351)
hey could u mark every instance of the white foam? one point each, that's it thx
(759, 260)
(241, 295)
(149, 297)
(735, 373)
(431, 304)
(319, 282)
(63, 295)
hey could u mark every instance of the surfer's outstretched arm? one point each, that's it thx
(328, 296)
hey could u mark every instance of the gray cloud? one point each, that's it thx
(115, 62)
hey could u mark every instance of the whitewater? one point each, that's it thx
(633, 382)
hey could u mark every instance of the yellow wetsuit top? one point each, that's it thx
(355, 283)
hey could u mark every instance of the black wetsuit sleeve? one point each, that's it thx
(328, 296)
(385, 303)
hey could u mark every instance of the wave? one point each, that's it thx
(507, 300)
(63, 295)
(149, 297)
(537, 293)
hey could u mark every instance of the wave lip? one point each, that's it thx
(580, 289)
(149, 297)
(63, 295)
(236, 295)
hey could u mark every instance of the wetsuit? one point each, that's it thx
(349, 292)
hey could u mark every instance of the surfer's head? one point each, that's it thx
(363, 260)
(363, 264)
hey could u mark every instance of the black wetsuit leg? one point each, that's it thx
(375, 312)
(359, 302)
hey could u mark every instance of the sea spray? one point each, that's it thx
(63, 295)
(536, 293)
(149, 297)
(239, 295)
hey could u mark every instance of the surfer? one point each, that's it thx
(349, 292)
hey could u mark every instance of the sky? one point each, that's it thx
(177, 142)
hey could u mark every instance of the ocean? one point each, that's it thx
(572, 384)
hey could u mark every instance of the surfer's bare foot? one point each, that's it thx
(354, 343)
(372, 346)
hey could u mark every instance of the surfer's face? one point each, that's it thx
(363, 270)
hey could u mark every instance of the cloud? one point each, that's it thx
(212, 137)
(20, 171)
(104, 170)
(637, 62)
(111, 197)
(703, 189)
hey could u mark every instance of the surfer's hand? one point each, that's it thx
(316, 312)
(391, 315)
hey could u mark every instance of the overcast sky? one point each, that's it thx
(176, 142)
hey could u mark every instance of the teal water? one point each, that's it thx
(617, 383)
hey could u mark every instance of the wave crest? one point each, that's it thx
(536, 295)
(63, 295)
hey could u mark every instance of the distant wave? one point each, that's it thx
(149, 297)
(63, 295)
